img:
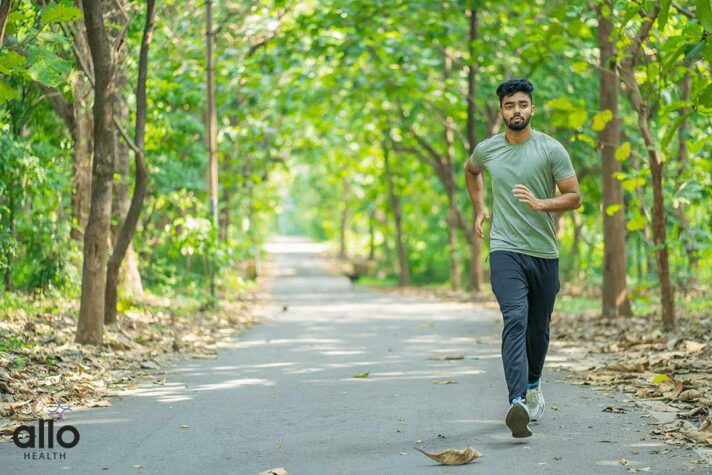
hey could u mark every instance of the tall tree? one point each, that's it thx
(211, 126)
(403, 267)
(96, 237)
(128, 228)
(475, 244)
(211, 114)
(614, 297)
(645, 113)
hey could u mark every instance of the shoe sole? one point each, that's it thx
(518, 422)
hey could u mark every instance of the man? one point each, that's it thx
(524, 165)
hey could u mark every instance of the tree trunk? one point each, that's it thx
(96, 237)
(452, 215)
(614, 297)
(403, 266)
(343, 227)
(82, 154)
(575, 247)
(372, 235)
(129, 275)
(128, 228)
(475, 244)
(211, 119)
(4, 12)
(225, 215)
(689, 240)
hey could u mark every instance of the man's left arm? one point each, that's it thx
(570, 197)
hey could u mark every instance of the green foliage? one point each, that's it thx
(61, 12)
(307, 96)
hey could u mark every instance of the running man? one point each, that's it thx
(524, 165)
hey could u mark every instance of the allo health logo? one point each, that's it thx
(44, 437)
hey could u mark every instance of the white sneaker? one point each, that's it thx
(518, 419)
(535, 403)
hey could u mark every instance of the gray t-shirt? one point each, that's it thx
(539, 162)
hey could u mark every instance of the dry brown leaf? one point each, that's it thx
(447, 357)
(275, 471)
(453, 456)
(692, 347)
(689, 395)
(102, 403)
(615, 410)
(447, 381)
(693, 412)
(699, 436)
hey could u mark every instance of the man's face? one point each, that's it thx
(517, 110)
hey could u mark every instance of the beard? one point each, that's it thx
(519, 125)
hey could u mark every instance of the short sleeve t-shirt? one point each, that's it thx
(538, 162)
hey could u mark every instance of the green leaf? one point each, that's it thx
(613, 209)
(60, 13)
(10, 60)
(577, 118)
(672, 129)
(623, 152)
(632, 183)
(704, 99)
(637, 223)
(48, 68)
(586, 139)
(660, 378)
(663, 15)
(580, 66)
(561, 103)
(695, 52)
(6, 92)
(601, 119)
(362, 375)
(704, 14)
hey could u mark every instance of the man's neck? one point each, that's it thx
(518, 136)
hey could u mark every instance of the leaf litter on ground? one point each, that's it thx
(663, 372)
(40, 363)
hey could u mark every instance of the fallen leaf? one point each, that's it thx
(447, 381)
(453, 456)
(275, 471)
(661, 378)
(447, 357)
(362, 375)
(623, 462)
(689, 395)
(185, 426)
(615, 410)
(102, 403)
(692, 347)
(692, 412)
(699, 436)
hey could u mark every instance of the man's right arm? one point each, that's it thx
(476, 190)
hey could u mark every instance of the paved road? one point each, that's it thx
(284, 395)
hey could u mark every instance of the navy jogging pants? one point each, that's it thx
(526, 288)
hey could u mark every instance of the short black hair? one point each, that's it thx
(513, 86)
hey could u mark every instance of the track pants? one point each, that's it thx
(526, 288)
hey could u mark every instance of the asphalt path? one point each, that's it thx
(284, 394)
